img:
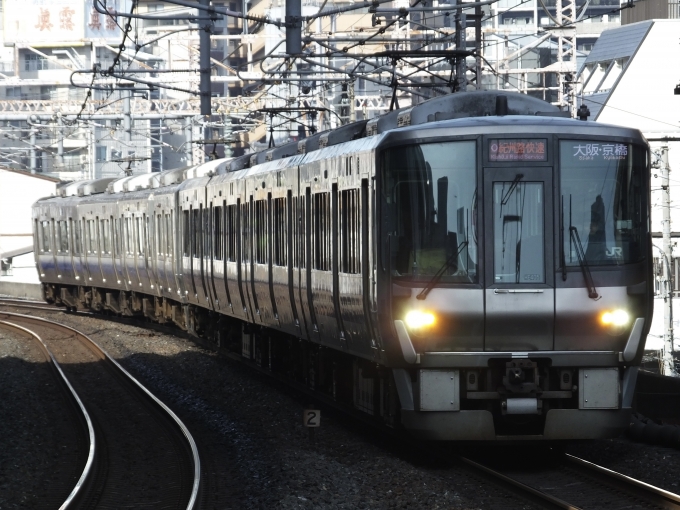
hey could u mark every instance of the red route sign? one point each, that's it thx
(518, 149)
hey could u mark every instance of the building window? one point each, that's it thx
(101, 153)
(33, 62)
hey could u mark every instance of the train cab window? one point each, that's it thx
(602, 202)
(350, 231)
(218, 234)
(322, 231)
(430, 200)
(279, 232)
(231, 229)
(260, 230)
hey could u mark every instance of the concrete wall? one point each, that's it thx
(18, 191)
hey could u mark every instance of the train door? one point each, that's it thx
(520, 286)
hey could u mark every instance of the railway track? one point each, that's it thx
(557, 481)
(563, 481)
(141, 454)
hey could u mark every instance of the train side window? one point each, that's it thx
(217, 232)
(231, 232)
(129, 236)
(260, 230)
(45, 236)
(322, 235)
(91, 236)
(280, 232)
(350, 231)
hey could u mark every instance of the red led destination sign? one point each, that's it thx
(518, 149)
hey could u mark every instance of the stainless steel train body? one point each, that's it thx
(476, 278)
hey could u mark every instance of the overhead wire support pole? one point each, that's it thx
(667, 252)
(204, 63)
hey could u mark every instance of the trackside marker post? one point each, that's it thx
(311, 418)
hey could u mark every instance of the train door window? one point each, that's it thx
(322, 234)
(195, 232)
(146, 235)
(518, 232)
(116, 237)
(299, 232)
(157, 235)
(231, 232)
(91, 236)
(260, 229)
(217, 232)
(73, 227)
(280, 232)
(186, 234)
(207, 228)
(350, 231)
(168, 235)
(245, 232)
(106, 236)
(62, 236)
(126, 235)
(136, 234)
(45, 236)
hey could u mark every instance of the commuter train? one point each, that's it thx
(475, 267)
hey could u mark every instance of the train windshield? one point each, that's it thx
(431, 198)
(602, 202)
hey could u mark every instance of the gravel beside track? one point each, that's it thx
(43, 446)
(255, 452)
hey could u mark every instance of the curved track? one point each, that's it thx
(551, 481)
(144, 455)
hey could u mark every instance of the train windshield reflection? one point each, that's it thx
(602, 200)
(430, 192)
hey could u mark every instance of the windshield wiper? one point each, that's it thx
(592, 291)
(512, 187)
(454, 256)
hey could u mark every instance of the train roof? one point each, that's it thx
(468, 113)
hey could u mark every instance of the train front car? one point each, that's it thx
(515, 275)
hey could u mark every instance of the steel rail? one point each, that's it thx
(550, 500)
(87, 471)
(193, 500)
(666, 498)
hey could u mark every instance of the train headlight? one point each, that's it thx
(615, 318)
(417, 319)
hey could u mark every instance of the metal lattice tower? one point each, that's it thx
(566, 53)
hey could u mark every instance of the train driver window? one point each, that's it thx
(430, 196)
(602, 202)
